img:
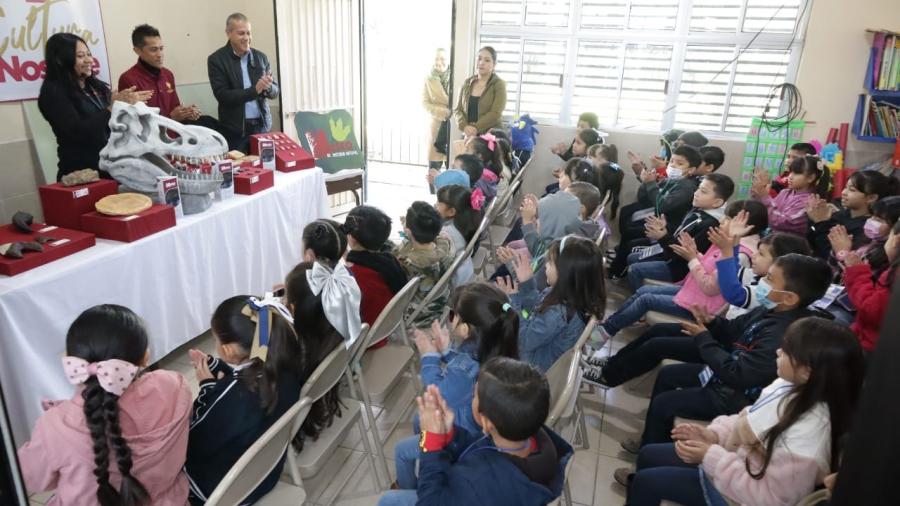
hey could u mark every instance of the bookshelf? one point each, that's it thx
(875, 107)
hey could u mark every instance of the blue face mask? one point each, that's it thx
(763, 289)
(662, 152)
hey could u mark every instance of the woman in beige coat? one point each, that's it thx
(436, 100)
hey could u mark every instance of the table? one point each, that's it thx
(173, 279)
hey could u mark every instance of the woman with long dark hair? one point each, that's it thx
(483, 97)
(121, 439)
(77, 104)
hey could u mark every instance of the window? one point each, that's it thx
(647, 65)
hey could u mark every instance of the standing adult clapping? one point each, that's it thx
(436, 100)
(483, 97)
(77, 104)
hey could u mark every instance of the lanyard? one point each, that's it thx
(92, 97)
(774, 396)
(670, 185)
(469, 449)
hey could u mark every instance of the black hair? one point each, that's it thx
(872, 182)
(492, 159)
(472, 166)
(326, 239)
(505, 145)
(493, 323)
(140, 33)
(459, 198)
(723, 186)
(591, 119)
(59, 55)
(887, 210)
(369, 225)
(805, 148)
(231, 325)
(835, 360)
(316, 338)
(610, 184)
(609, 151)
(757, 214)
(514, 396)
(589, 137)
(581, 169)
(884, 263)
(423, 222)
(782, 243)
(712, 155)
(690, 154)
(107, 332)
(809, 165)
(491, 51)
(580, 279)
(587, 194)
(808, 277)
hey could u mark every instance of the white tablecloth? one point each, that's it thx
(173, 279)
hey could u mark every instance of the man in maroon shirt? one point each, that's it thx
(149, 74)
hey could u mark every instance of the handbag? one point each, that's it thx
(442, 137)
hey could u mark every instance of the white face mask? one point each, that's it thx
(673, 172)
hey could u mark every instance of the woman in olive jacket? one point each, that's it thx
(483, 97)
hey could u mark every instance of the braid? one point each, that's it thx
(132, 492)
(94, 397)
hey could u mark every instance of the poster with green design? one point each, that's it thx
(767, 146)
(330, 139)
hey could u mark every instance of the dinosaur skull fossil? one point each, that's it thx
(140, 149)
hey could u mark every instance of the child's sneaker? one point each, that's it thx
(594, 376)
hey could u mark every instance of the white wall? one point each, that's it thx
(191, 30)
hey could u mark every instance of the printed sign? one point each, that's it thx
(766, 148)
(330, 139)
(25, 26)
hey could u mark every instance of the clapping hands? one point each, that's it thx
(434, 414)
(686, 247)
(655, 227)
(818, 209)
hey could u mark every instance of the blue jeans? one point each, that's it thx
(398, 498)
(646, 298)
(661, 475)
(406, 454)
(639, 271)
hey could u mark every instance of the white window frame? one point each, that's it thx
(679, 38)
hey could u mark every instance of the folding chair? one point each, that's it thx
(316, 453)
(377, 371)
(259, 460)
(564, 377)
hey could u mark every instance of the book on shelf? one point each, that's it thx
(880, 119)
(885, 62)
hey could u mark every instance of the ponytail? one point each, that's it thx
(493, 323)
(459, 198)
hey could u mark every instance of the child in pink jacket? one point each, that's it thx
(774, 452)
(787, 212)
(122, 438)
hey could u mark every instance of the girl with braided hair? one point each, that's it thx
(121, 439)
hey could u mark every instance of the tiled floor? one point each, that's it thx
(347, 479)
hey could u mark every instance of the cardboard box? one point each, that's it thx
(169, 193)
(130, 228)
(67, 241)
(252, 180)
(63, 206)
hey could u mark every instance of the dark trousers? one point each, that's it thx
(660, 342)
(662, 476)
(677, 392)
(241, 140)
(629, 232)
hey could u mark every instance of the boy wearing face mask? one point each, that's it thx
(738, 356)
(672, 197)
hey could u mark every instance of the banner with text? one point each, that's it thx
(25, 26)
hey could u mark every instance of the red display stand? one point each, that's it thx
(130, 228)
(67, 241)
(63, 206)
(289, 156)
(252, 180)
